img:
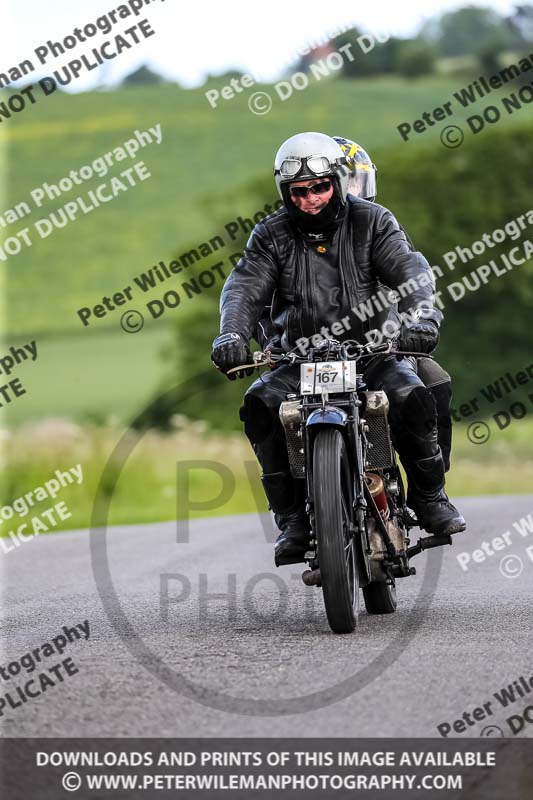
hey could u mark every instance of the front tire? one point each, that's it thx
(337, 557)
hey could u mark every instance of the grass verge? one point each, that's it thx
(221, 472)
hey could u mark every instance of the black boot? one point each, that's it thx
(286, 498)
(427, 498)
(293, 541)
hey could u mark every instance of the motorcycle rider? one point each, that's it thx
(362, 182)
(321, 255)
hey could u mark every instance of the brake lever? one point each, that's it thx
(260, 360)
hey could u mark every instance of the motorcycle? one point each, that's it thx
(338, 442)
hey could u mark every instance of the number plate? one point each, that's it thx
(328, 376)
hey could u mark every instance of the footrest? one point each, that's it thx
(427, 543)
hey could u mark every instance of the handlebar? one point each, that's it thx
(350, 350)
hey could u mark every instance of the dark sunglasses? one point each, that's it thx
(302, 191)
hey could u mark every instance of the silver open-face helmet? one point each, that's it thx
(311, 155)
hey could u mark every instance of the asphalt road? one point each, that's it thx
(234, 647)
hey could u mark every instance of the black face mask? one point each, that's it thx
(325, 222)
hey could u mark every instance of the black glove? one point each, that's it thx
(419, 337)
(229, 351)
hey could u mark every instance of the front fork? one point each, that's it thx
(360, 505)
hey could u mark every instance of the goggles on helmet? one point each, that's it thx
(317, 165)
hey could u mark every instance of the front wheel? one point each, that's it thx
(337, 557)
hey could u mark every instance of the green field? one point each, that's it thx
(205, 153)
(82, 377)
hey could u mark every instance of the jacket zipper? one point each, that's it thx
(308, 287)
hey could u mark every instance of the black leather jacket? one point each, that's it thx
(311, 288)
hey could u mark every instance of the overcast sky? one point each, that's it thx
(196, 37)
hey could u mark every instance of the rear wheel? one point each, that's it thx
(337, 555)
(380, 598)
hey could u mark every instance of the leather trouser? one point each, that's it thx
(439, 383)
